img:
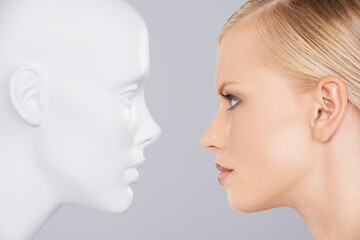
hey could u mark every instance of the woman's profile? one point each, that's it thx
(287, 132)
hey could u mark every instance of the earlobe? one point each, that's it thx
(26, 90)
(330, 104)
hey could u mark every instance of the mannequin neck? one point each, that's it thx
(27, 201)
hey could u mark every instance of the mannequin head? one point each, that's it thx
(72, 80)
(287, 78)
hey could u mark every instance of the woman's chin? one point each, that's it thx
(246, 203)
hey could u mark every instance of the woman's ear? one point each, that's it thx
(26, 92)
(330, 103)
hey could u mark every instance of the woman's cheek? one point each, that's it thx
(268, 161)
(285, 162)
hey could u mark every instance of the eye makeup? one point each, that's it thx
(233, 101)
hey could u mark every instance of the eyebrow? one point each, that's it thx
(222, 86)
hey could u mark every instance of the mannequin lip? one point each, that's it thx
(139, 164)
(139, 160)
(132, 173)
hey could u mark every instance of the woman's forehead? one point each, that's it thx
(238, 57)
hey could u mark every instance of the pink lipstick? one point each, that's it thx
(224, 172)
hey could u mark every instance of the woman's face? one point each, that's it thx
(261, 132)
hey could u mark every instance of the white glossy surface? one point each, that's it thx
(73, 122)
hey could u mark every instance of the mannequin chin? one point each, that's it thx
(115, 203)
(74, 121)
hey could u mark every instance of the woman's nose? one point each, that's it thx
(213, 138)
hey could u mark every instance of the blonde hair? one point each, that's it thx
(306, 39)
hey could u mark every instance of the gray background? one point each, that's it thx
(178, 196)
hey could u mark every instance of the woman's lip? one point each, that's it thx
(221, 168)
(223, 174)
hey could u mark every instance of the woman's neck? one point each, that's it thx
(329, 198)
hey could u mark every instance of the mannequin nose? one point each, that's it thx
(149, 131)
(152, 135)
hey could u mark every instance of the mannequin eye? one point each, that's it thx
(128, 94)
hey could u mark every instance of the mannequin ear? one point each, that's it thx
(330, 104)
(26, 92)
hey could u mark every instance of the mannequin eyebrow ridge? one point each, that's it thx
(133, 81)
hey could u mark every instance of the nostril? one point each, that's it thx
(143, 144)
(149, 140)
(146, 137)
(212, 148)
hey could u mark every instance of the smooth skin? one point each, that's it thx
(286, 148)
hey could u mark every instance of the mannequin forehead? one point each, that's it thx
(107, 35)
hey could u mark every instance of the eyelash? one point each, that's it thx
(230, 97)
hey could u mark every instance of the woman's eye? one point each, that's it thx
(128, 94)
(232, 100)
